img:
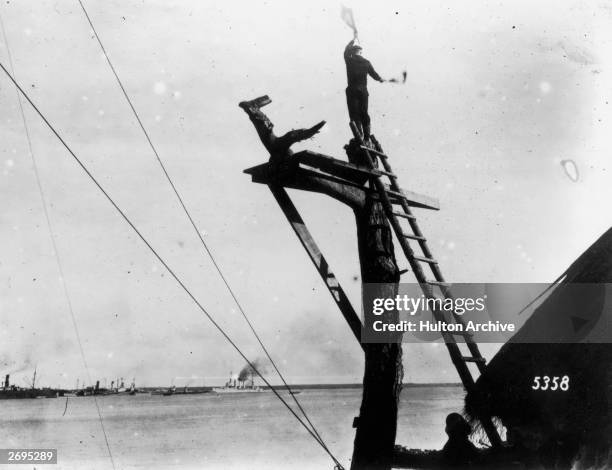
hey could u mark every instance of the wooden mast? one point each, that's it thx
(345, 182)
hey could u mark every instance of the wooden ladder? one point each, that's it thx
(396, 208)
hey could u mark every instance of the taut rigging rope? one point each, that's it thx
(192, 222)
(163, 262)
(60, 267)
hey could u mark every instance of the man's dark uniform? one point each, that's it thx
(357, 70)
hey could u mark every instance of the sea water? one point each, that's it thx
(210, 431)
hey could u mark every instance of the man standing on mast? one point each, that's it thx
(357, 70)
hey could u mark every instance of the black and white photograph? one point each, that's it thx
(322, 234)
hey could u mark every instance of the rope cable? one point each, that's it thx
(192, 222)
(163, 262)
(541, 294)
(54, 246)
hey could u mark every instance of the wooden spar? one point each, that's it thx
(347, 182)
(338, 167)
(308, 163)
(317, 258)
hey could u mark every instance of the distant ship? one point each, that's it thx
(185, 390)
(12, 391)
(119, 387)
(167, 392)
(240, 384)
(8, 391)
(130, 391)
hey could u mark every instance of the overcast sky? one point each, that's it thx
(498, 95)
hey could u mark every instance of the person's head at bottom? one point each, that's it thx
(457, 427)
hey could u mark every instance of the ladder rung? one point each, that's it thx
(473, 359)
(415, 237)
(425, 260)
(438, 283)
(375, 152)
(404, 215)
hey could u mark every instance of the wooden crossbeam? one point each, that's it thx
(267, 173)
(317, 258)
(333, 165)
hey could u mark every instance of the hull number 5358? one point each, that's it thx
(555, 383)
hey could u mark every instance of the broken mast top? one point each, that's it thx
(291, 170)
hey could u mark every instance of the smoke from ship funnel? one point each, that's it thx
(247, 371)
